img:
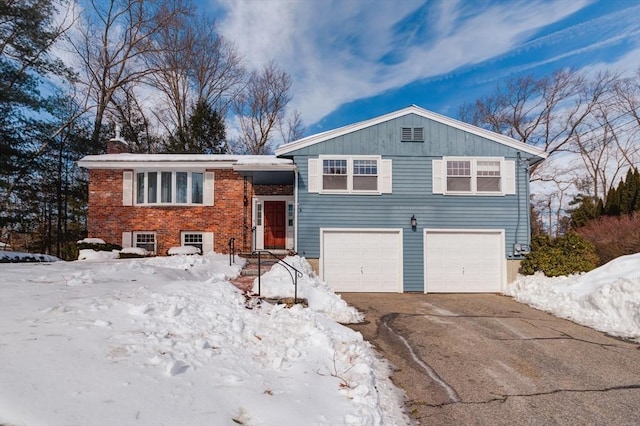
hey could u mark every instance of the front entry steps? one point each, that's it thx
(248, 274)
(247, 277)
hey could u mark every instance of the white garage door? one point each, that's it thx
(362, 260)
(464, 261)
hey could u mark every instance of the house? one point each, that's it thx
(408, 201)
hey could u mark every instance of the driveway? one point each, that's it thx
(486, 359)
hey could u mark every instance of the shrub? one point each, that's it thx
(99, 247)
(564, 255)
(613, 236)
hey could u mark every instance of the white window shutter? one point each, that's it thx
(387, 176)
(126, 239)
(509, 179)
(127, 188)
(312, 184)
(207, 242)
(208, 188)
(438, 176)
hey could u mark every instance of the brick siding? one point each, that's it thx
(229, 217)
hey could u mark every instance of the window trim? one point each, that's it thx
(350, 174)
(474, 175)
(134, 239)
(183, 242)
(173, 190)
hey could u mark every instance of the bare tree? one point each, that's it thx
(547, 112)
(194, 66)
(114, 35)
(261, 110)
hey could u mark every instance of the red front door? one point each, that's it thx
(275, 224)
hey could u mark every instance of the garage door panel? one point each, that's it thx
(362, 260)
(463, 261)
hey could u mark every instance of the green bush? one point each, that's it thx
(564, 255)
(99, 247)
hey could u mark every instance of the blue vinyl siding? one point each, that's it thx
(412, 191)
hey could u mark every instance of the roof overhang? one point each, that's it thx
(240, 163)
(413, 109)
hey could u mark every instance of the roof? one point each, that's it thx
(413, 109)
(209, 161)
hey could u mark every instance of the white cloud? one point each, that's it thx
(333, 50)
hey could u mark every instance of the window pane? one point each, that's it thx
(146, 241)
(365, 167)
(259, 214)
(152, 180)
(334, 182)
(365, 175)
(166, 187)
(365, 183)
(194, 240)
(196, 188)
(488, 168)
(181, 187)
(458, 184)
(140, 188)
(334, 167)
(458, 168)
(489, 184)
(334, 174)
(290, 214)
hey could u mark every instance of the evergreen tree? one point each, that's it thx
(588, 208)
(204, 134)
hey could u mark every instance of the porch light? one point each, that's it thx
(414, 221)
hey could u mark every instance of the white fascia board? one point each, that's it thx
(99, 164)
(264, 167)
(184, 161)
(413, 109)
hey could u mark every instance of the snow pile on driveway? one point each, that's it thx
(607, 298)
(170, 341)
(278, 282)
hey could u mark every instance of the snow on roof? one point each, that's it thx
(186, 160)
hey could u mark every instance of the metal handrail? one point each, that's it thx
(294, 277)
(232, 251)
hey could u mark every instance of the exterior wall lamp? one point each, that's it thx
(414, 222)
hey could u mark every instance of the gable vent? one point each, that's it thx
(412, 134)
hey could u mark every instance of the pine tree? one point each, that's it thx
(204, 134)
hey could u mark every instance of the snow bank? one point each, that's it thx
(90, 254)
(607, 298)
(278, 283)
(135, 250)
(183, 250)
(168, 340)
(92, 241)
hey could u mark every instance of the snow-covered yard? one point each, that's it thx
(169, 341)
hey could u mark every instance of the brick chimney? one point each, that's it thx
(117, 145)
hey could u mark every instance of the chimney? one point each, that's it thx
(117, 145)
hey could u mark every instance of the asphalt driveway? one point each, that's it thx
(486, 359)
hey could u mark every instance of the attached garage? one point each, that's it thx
(464, 261)
(362, 260)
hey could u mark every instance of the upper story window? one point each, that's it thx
(413, 134)
(474, 176)
(350, 174)
(169, 187)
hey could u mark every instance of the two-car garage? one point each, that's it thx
(453, 260)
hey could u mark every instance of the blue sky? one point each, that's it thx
(351, 60)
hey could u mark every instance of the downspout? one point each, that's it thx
(295, 209)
